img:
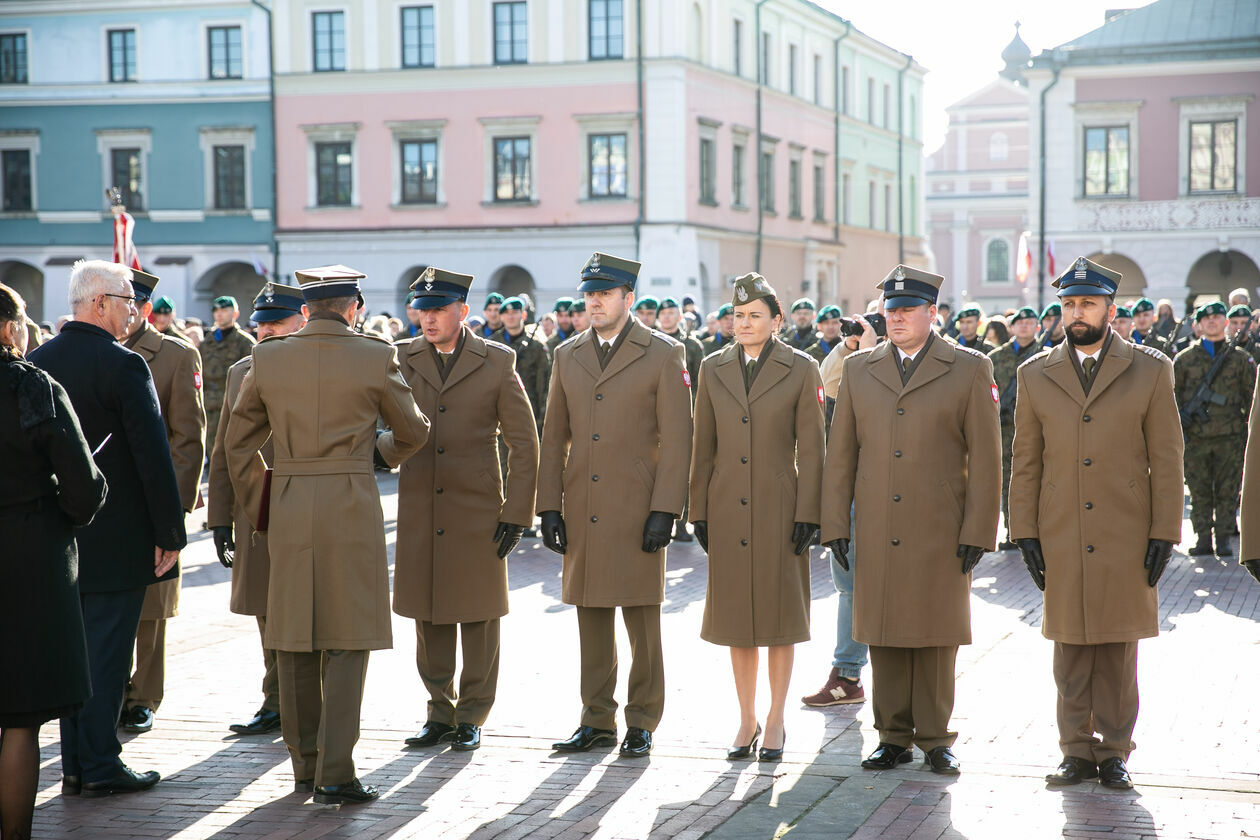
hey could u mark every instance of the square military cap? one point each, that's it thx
(1086, 277)
(604, 271)
(437, 287)
(908, 286)
(329, 281)
(143, 283)
(275, 302)
(748, 288)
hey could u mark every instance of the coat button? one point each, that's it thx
(594, 518)
(743, 542)
(1086, 462)
(594, 478)
(743, 419)
(441, 409)
(896, 542)
(901, 411)
(599, 396)
(439, 490)
(440, 532)
(1089, 506)
(594, 437)
(440, 450)
(1086, 418)
(743, 501)
(896, 498)
(897, 454)
(743, 459)
(1090, 549)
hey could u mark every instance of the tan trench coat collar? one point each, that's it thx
(632, 349)
(147, 342)
(730, 371)
(1059, 369)
(886, 367)
(472, 355)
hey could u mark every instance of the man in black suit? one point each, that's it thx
(136, 538)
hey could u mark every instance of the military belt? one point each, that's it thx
(322, 466)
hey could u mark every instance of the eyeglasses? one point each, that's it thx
(128, 298)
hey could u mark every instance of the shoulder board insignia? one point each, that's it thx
(1035, 357)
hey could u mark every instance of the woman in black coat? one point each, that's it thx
(48, 486)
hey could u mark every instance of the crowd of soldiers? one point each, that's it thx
(502, 422)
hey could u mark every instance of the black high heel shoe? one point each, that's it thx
(740, 753)
(767, 754)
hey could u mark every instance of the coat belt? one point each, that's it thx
(322, 466)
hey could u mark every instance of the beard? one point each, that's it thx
(1084, 335)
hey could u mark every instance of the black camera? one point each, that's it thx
(852, 326)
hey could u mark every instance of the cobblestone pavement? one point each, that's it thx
(1196, 766)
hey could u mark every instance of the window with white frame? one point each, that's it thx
(226, 154)
(708, 160)
(125, 164)
(511, 32)
(737, 47)
(1213, 140)
(820, 189)
(792, 69)
(765, 58)
(418, 39)
(122, 55)
(223, 46)
(332, 177)
(13, 58)
(510, 149)
(417, 169)
(818, 83)
(794, 183)
(739, 171)
(328, 41)
(997, 262)
(607, 165)
(18, 151)
(604, 21)
(765, 174)
(1106, 151)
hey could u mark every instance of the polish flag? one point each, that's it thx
(259, 268)
(124, 248)
(1023, 259)
(1050, 256)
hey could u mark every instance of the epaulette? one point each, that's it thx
(243, 360)
(799, 352)
(667, 339)
(496, 347)
(1153, 352)
(1035, 356)
(273, 338)
(864, 351)
(376, 337)
(971, 350)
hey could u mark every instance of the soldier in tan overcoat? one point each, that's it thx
(915, 442)
(176, 369)
(1095, 504)
(1249, 522)
(612, 479)
(277, 311)
(458, 520)
(756, 470)
(318, 393)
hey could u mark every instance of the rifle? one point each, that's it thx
(1196, 408)
(1045, 334)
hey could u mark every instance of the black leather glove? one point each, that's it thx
(224, 545)
(970, 555)
(553, 531)
(657, 531)
(840, 551)
(1157, 554)
(378, 460)
(701, 531)
(507, 536)
(803, 534)
(1034, 560)
(1253, 566)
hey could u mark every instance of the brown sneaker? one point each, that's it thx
(837, 691)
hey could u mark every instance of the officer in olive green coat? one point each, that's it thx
(176, 369)
(1249, 542)
(1215, 437)
(612, 479)
(277, 311)
(223, 346)
(532, 363)
(458, 521)
(1006, 361)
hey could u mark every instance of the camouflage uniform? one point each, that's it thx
(219, 351)
(978, 343)
(800, 339)
(820, 348)
(711, 345)
(1251, 346)
(533, 366)
(1152, 339)
(1006, 361)
(1214, 450)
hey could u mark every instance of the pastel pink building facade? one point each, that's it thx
(510, 140)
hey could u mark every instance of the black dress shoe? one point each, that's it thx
(888, 756)
(1007, 545)
(768, 754)
(303, 785)
(467, 737)
(740, 753)
(637, 743)
(1073, 771)
(125, 780)
(1113, 774)
(585, 737)
(941, 760)
(71, 785)
(137, 719)
(264, 721)
(430, 734)
(1203, 547)
(352, 792)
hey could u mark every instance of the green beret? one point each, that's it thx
(969, 310)
(163, 306)
(224, 302)
(667, 303)
(1024, 312)
(646, 302)
(1213, 308)
(1143, 305)
(493, 297)
(578, 305)
(1052, 310)
(803, 303)
(513, 303)
(1122, 312)
(724, 310)
(829, 312)
(564, 304)
(1239, 311)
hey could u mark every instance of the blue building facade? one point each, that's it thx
(167, 101)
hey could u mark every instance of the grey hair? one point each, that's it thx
(89, 278)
